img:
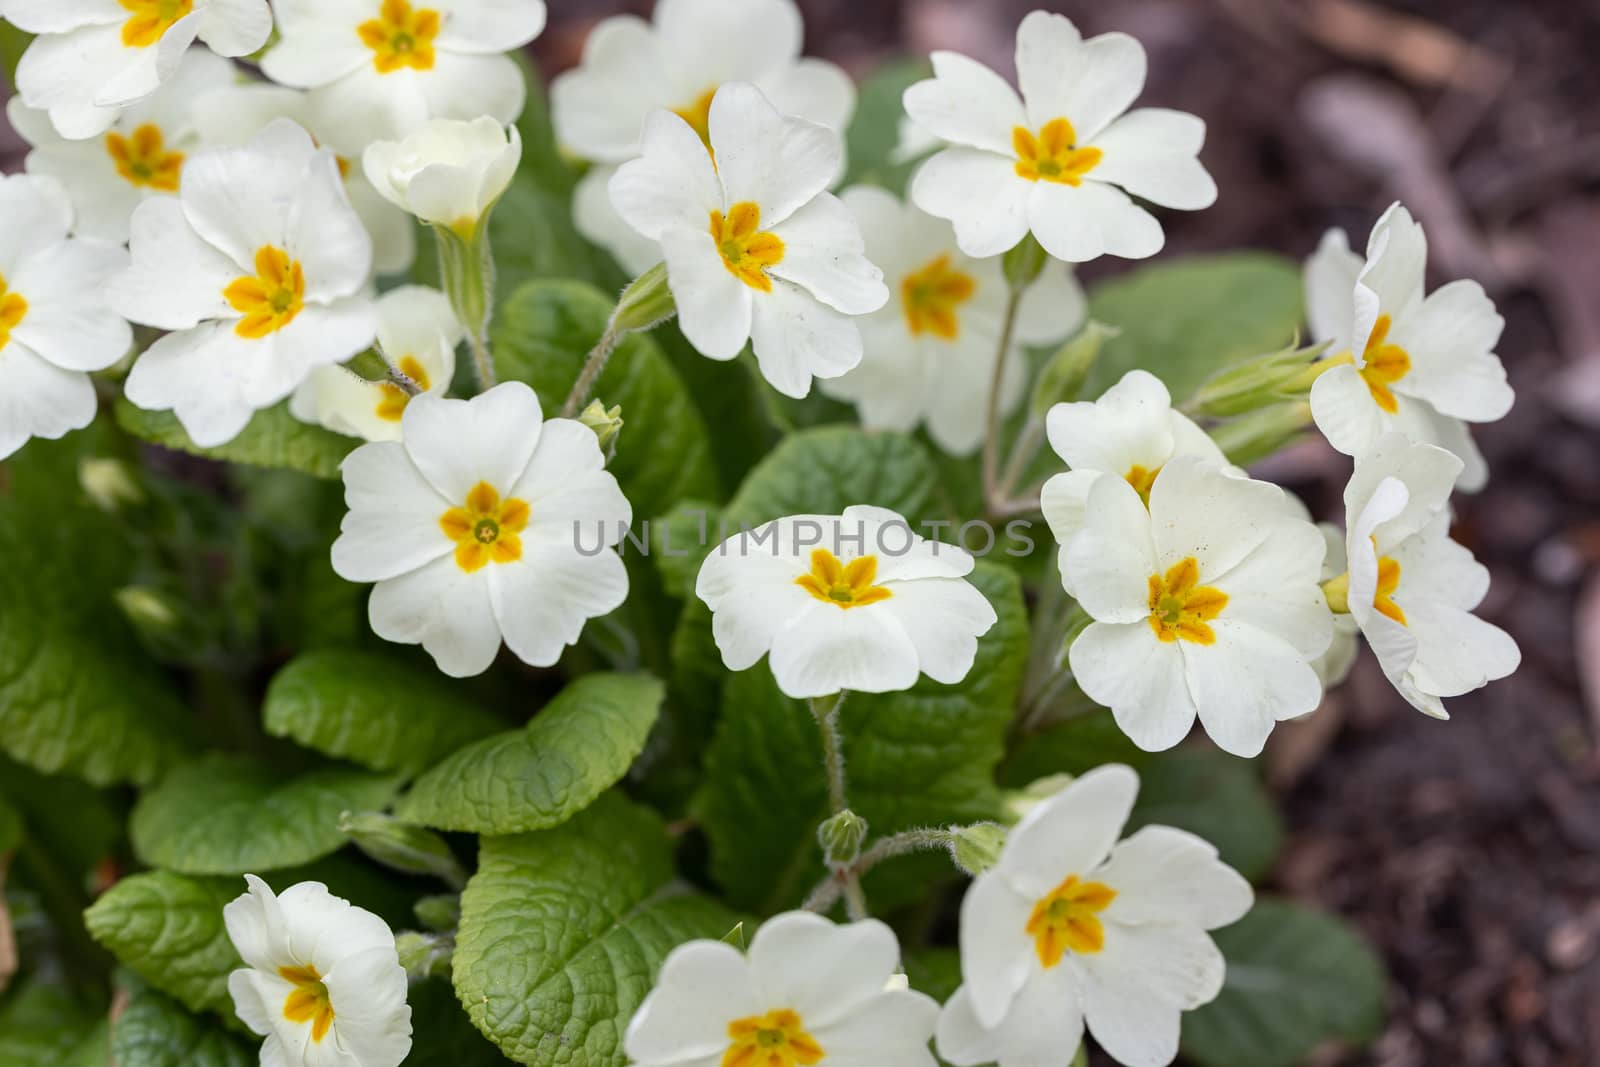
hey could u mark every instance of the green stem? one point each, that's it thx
(838, 883)
(593, 366)
(991, 435)
(466, 265)
(827, 716)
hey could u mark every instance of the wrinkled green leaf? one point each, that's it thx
(1296, 978)
(229, 815)
(563, 931)
(167, 928)
(579, 746)
(542, 335)
(274, 438)
(918, 758)
(874, 133)
(1215, 796)
(154, 1031)
(78, 695)
(1184, 319)
(372, 709)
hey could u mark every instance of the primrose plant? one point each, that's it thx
(750, 599)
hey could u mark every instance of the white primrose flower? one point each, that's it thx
(1072, 926)
(756, 250)
(1423, 365)
(322, 981)
(854, 601)
(1204, 603)
(140, 156)
(676, 62)
(382, 68)
(1411, 588)
(930, 352)
(258, 268)
(1132, 431)
(448, 172)
(418, 334)
(232, 116)
(55, 324)
(1062, 160)
(809, 992)
(477, 525)
(93, 57)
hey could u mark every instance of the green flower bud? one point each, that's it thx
(1262, 433)
(605, 422)
(977, 847)
(401, 845)
(841, 838)
(645, 303)
(109, 483)
(1063, 376)
(1024, 263)
(425, 955)
(1261, 381)
(1019, 802)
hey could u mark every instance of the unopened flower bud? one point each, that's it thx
(841, 838)
(976, 848)
(401, 845)
(1063, 376)
(605, 422)
(109, 483)
(646, 302)
(1019, 802)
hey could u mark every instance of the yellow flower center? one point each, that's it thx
(486, 528)
(1142, 478)
(143, 159)
(698, 115)
(13, 309)
(393, 403)
(1181, 607)
(746, 251)
(401, 36)
(1388, 581)
(931, 296)
(1385, 365)
(308, 1001)
(847, 585)
(776, 1039)
(1054, 155)
(273, 298)
(1068, 919)
(151, 19)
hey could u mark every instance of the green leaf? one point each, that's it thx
(542, 335)
(579, 746)
(167, 928)
(563, 931)
(1296, 979)
(78, 694)
(1215, 796)
(154, 1031)
(229, 815)
(40, 1024)
(934, 971)
(678, 542)
(375, 710)
(441, 1032)
(874, 133)
(274, 438)
(922, 757)
(1184, 319)
(13, 42)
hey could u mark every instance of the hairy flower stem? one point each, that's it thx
(466, 266)
(593, 365)
(992, 493)
(828, 891)
(845, 879)
(646, 303)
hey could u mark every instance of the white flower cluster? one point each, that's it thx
(257, 216)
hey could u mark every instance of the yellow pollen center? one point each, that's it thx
(1385, 365)
(1068, 919)
(746, 251)
(308, 1001)
(1142, 478)
(401, 36)
(1388, 581)
(151, 19)
(931, 296)
(698, 115)
(486, 528)
(13, 309)
(393, 402)
(1054, 155)
(847, 585)
(143, 160)
(776, 1039)
(1180, 607)
(272, 298)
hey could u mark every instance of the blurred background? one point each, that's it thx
(1468, 851)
